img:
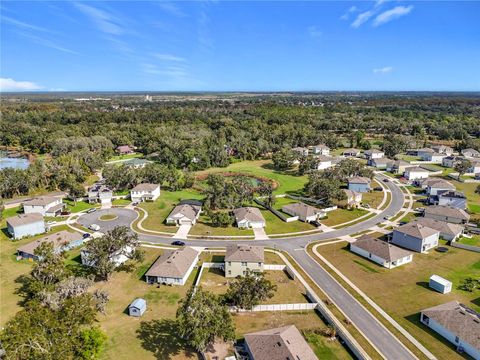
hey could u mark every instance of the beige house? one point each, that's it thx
(45, 205)
(249, 217)
(185, 213)
(304, 212)
(173, 267)
(145, 192)
(240, 259)
(354, 198)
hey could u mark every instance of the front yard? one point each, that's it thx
(340, 216)
(205, 228)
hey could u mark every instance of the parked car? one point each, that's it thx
(94, 227)
(378, 189)
(178, 243)
(65, 213)
(386, 218)
(86, 235)
(89, 211)
(366, 206)
(316, 223)
(386, 180)
(135, 203)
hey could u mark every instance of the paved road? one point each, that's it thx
(382, 339)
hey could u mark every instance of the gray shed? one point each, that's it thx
(137, 307)
(440, 284)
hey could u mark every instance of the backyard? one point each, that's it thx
(403, 292)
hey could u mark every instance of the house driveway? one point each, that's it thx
(182, 232)
(260, 234)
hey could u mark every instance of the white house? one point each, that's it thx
(324, 162)
(471, 153)
(442, 149)
(185, 213)
(320, 150)
(24, 225)
(415, 172)
(351, 152)
(434, 157)
(457, 323)
(374, 154)
(424, 153)
(173, 267)
(456, 199)
(45, 205)
(100, 193)
(304, 211)
(145, 192)
(450, 161)
(448, 231)
(381, 252)
(354, 198)
(249, 217)
(475, 168)
(302, 151)
(436, 186)
(415, 237)
(118, 258)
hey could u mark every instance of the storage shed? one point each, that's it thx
(440, 284)
(137, 307)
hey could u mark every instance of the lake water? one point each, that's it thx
(16, 163)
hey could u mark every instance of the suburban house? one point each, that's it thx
(351, 153)
(100, 193)
(456, 199)
(304, 211)
(397, 166)
(353, 198)
(359, 184)
(186, 212)
(145, 192)
(280, 343)
(249, 217)
(25, 225)
(413, 173)
(61, 241)
(471, 153)
(137, 307)
(124, 150)
(437, 186)
(447, 213)
(324, 162)
(434, 157)
(475, 168)
(448, 231)
(302, 151)
(457, 323)
(173, 267)
(381, 252)
(442, 149)
(415, 237)
(240, 259)
(425, 183)
(450, 161)
(118, 258)
(320, 150)
(374, 154)
(45, 205)
(424, 153)
(136, 163)
(380, 163)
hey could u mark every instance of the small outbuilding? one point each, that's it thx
(440, 284)
(137, 307)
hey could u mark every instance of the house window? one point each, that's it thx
(229, 272)
(259, 264)
(425, 319)
(457, 339)
(244, 263)
(229, 263)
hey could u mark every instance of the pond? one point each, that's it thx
(13, 162)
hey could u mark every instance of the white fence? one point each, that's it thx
(290, 219)
(274, 267)
(278, 307)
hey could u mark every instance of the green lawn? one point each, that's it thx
(341, 216)
(125, 157)
(79, 206)
(373, 198)
(469, 191)
(403, 292)
(91, 179)
(121, 202)
(274, 225)
(287, 181)
(204, 227)
(158, 210)
(282, 201)
(473, 241)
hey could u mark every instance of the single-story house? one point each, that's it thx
(397, 166)
(320, 149)
(381, 252)
(249, 217)
(137, 307)
(145, 192)
(324, 162)
(415, 172)
(353, 198)
(471, 153)
(100, 193)
(117, 258)
(304, 211)
(351, 152)
(186, 212)
(442, 149)
(240, 259)
(457, 323)
(61, 241)
(447, 213)
(173, 267)
(381, 163)
(374, 154)
(434, 157)
(359, 184)
(424, 153)
(281, 343)
(456, 199)
(124, 150)
(415, 237)
(448, 231)
(23, 225)
(136, 163)
(45, 205)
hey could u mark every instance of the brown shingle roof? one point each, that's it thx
(458, 319)
(190, 211)
(145, 187)
(284, 343)
(416, 230)
(41, 201)
(440, 184)
(246, 253)
(248, 213)
(24, 219)
(301, 209)
(442, 226)
(381, 248)
(447, 211)
(359, 180)
(58, 239)
(173, 263)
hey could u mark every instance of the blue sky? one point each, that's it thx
(240, 46)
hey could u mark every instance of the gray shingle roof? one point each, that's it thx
(41, 201)
(248, 213)
(58, 240)
(173, 263)
(145, 187)
(442, 226)
(359, 180)
(246, 253)
(190, 211)
(301, 209)
(416, 230)
(381, 248)
(447, 211)
(24, 219)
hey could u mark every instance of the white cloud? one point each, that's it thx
(104, 21)
(362, 18)
(171, 8)
(48, 43)
(392, 14)
(383, 70)
(7, 84)
(314, 32)
(169, 57)
(351, 10)
(23, 25)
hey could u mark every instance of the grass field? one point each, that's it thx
(158, 210)
(79, 206)
(121, 202)
(403, 292)
(125, 157)
(469, 190)
(91, 179)
(473, 241)
(204, 227)
(373, 198)
(288, 182)
(341, 216)
(274, 225)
